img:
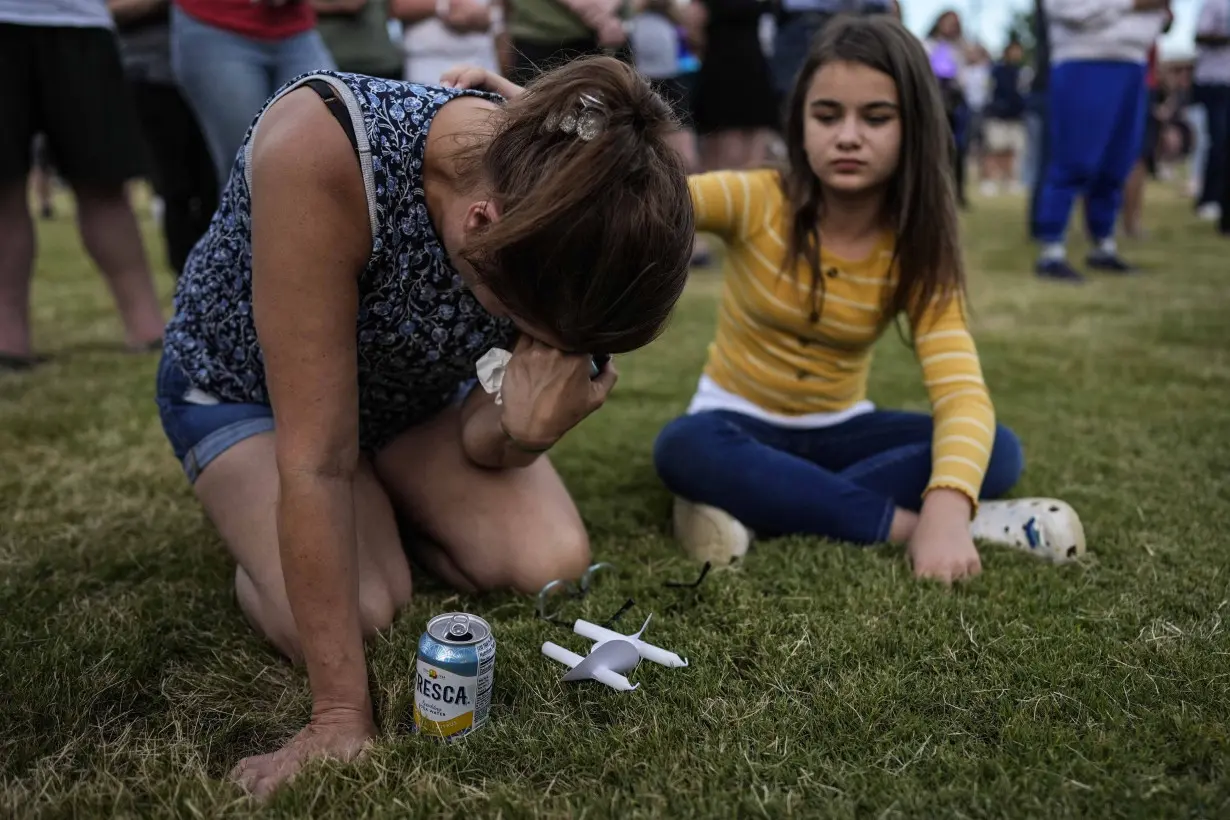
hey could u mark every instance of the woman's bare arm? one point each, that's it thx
(545, 394)
(310, 240)
(484, 441)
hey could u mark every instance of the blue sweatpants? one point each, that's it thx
(842, 482)
(1097, 122)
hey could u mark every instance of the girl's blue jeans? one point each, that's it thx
(842, 482)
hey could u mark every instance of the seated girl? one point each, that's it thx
(822, 259)
(374, 241)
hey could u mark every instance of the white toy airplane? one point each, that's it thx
(646, 650)
(611, 657)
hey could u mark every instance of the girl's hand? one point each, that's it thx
(547, 392)
(480, 79)
(942, 548)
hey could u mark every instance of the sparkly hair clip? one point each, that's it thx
(586, 124)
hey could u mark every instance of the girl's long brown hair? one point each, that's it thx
(920, 204)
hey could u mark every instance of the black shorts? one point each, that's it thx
(678, 94)
(67, 83)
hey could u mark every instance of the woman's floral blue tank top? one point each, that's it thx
(420, 330)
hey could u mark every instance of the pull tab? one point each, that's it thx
(459, 628)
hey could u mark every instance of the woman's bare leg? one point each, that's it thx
(491, 529)
(239, 491)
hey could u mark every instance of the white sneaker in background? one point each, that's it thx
(989, 188)
(1045, 527)
(1209, 212)
(709, 534)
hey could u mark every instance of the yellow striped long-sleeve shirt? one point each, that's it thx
(768, 351)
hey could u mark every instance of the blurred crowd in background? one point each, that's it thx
(111, 91)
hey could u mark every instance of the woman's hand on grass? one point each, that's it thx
(340, 734)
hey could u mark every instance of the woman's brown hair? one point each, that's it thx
(594, 239)
(920, 204)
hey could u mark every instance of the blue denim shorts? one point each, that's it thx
(200, 431)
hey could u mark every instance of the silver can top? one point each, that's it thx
(458, 628)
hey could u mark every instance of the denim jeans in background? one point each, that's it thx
(227, 77)
(842, 482)
(1216, 102)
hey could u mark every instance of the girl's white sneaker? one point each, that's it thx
(709, 534)
(1045, 527)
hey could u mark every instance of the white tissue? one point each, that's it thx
(490, 369)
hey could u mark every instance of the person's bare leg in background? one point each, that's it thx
(43, 193)
(72, 91)
(111, 236)
(1134, 201)
(16, 266)
(684, 141)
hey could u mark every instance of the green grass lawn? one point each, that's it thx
(824, 681)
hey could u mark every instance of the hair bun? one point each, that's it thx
(624, 98)
(651, 113)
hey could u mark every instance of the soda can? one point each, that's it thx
(454, 674)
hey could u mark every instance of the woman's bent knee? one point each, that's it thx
(272, 620)
(532, 559)
(564, 555)
(376, 611)
(381, 598)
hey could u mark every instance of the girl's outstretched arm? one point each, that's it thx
(960, 404)
(735, 205)
(942, 546)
